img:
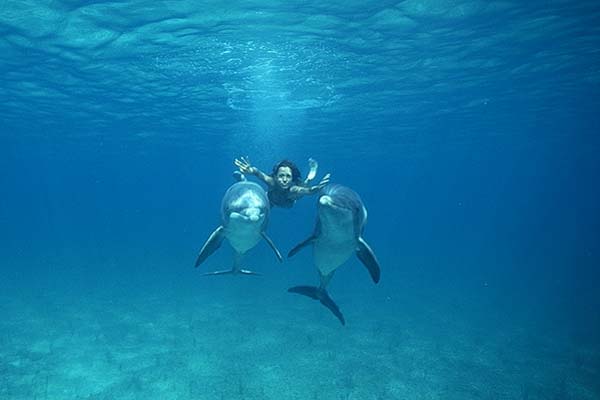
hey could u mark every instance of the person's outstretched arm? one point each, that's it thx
(243, 163)
(304, 190)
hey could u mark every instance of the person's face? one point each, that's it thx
(284, 177)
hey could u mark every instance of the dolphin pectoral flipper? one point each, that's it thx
(272, 245)
(301, 245)
(212, 244)
(367, 257)
(321, 295)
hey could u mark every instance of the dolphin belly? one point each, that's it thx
(243, 234)
(329, 255)
(336, 242)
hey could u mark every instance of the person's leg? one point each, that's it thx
(313, 165)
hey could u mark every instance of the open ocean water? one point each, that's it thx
(469, 128)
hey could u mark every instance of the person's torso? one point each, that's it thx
(282, 198)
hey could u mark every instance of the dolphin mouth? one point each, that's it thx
(247, 216)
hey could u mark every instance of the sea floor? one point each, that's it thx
(238, 341)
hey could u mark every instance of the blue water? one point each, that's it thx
(470, 130)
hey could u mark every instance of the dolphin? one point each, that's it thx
(341, 219)
(244, 218)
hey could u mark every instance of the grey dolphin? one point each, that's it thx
(341, 219)
(244, 215)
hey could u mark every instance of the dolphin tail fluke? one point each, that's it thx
(247, 272)
(367, 257)
(223, 272)
(236, 269)
(320, 294)
(329, 303)
(231, 272)
(301, 245)
(272, 245)
(310, 291)
(212, 244)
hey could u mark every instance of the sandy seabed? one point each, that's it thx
(245, 343)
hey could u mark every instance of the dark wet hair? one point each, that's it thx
(287, 163)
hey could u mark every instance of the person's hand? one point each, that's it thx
(244, 165)
(324, 182)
